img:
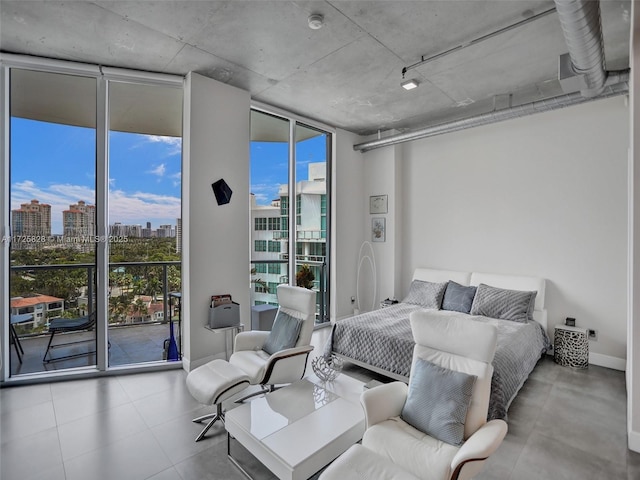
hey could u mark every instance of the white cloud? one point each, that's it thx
(159, 170)
(177, 179)
(174, 142)
(265, 192)
(128, 208)
(165, 139)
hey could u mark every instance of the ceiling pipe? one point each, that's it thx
(580, 20)
(582, 30)
(539, 106)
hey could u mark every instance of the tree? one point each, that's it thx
(305, 277)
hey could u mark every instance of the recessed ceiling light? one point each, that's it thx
(410, 84)
(316, 21)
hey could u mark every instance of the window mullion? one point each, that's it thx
(292, 202)
(102, 209)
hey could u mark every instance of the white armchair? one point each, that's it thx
(284, 366)
(392, 448)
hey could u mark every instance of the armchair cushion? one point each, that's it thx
(418, 453)
(359, 463)
(252, 362)
(284, 333)
(438, 400)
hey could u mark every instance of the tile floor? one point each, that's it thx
(564, 424)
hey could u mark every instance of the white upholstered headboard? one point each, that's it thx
(511, 282)
(439, 276)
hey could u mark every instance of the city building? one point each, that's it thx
(31, 219)
(147, 232)
(79, 225)
(41, 307)
(178, 235)
(165, 231)
(121, 230)
(269, 250)
(269, 234)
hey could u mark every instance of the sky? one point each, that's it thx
(270, 167)
(56, 164)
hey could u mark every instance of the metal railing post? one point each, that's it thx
(165, 292)
(89, 290)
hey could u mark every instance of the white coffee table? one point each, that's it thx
(301, 428)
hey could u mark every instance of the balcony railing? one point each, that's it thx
(138, 296)
(319, 284)
(311, 235)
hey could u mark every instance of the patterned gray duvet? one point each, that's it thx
(382, 339)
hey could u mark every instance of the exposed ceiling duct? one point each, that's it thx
(580, 20)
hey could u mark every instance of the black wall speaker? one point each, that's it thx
(222, 192)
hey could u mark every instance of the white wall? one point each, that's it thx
(383, 176)
(544, 195)
(347, 211)
(215, 237)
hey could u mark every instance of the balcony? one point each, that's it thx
(138, 313)
(130, 344)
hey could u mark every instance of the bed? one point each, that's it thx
(381, 340)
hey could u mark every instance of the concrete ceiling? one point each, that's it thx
(346, 74)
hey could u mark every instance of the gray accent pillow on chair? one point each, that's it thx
(284, 333)
(516, 305)
(438, 401)
(426, 294)
(458, 298)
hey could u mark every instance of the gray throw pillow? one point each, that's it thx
(504, 304)
(284, 333)
(438, 401)
(458, 298)
(426, 294)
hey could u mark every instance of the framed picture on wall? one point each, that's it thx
(378, 229)
(378, 204)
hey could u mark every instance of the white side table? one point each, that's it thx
(234, 330)
(571, 346)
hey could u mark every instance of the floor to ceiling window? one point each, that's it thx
(93, 171)
(145, 147)
(290, 200)
(52, 176)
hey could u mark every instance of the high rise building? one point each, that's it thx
(79, 220)
(165, 231)
(147, 232)
(31, 219)
(178, 235)
(79, 225)
(121, 230)
(31, 225)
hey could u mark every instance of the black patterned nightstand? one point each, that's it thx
(571, 346)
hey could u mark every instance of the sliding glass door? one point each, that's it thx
(290, 201)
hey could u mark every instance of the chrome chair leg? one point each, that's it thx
(219, 415)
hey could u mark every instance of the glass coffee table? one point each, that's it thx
(298, 430)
